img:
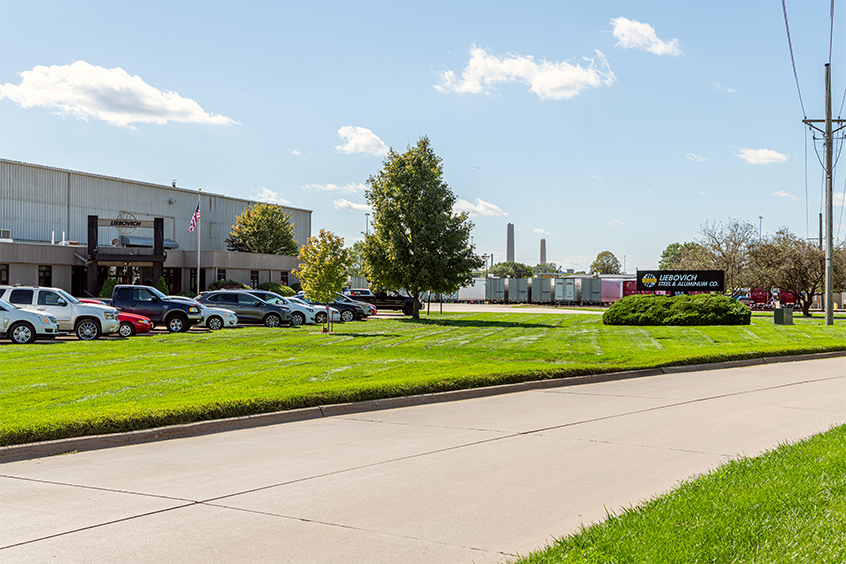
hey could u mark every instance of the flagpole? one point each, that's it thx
(199, 191)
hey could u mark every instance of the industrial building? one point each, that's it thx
(51, 219)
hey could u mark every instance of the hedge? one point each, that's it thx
(699, 309)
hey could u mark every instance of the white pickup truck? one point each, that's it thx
(88, 321)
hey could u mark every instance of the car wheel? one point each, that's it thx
(297, 318)
(347, 315)
(214, 323)
(408, 308)
(177, 324)
(320, 317)
(126, 329)
(272, 320)
(88, 330)
(22, 333)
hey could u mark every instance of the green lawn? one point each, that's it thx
(73, 388)
(786, 506)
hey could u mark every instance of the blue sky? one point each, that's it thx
(620, 126)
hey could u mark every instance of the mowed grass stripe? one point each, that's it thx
(73, 387)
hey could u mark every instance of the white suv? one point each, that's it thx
(88, 321)
(23, 327)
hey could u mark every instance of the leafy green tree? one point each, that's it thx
(795, 265)
(263, 228)
(108, 288)
(356, 267)
(162, 286)
(417, 243)
(605, 263)
(323, 269)
(726, 247)
(511, 270)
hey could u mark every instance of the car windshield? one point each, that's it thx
(157, 293)
(273, 299)
(68, 297)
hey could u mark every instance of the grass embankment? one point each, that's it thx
(786, 506)
(74, 388)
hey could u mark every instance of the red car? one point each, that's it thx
(130, 324)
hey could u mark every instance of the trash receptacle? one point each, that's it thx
(783, 316)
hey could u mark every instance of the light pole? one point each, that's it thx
(760, 225)
(367, 224)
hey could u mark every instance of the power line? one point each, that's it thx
(792, 60)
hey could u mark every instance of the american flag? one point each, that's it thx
(194, 219)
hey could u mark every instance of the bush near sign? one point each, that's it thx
(681, 281)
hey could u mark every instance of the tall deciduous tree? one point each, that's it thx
(680, 256)
(323, 268)
(795, 265)
(417, 243)
(263, 228)
(605, 263)
(728, 248)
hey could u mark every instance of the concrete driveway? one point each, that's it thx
(477, 480)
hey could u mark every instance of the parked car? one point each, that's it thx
(319, 311)
(247, 307)
(214, 318)
(23, 327)
(300, 313)
(350, 309)
(147, 301)
(88, 321)
(130, 324)
(384, 300)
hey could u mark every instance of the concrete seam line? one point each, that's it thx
(27, 451)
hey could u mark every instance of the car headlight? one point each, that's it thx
(144, 322)
(228, 314)
(110, 315)
(44, 319)
(193, 309)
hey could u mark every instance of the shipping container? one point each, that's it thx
(518, 290)
(611, 291)
(629, 288)
(495, 290)
(565, 290)
(590, 290)
(473, 293)
(541, 290)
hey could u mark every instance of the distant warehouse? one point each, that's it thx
(139, 232)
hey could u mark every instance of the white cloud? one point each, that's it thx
(838, 199)
(696, 158)
(264, 194)
(542, 231)
(597, 178)
(86, 91)
(549, 80)
(615, 222)
(632, 34)
(347, 205)
(761, 156)
(350, 188)
(479, 208)
(722, 88)
(783, 194)
(361, 140)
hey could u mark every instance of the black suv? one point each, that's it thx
(247, 307)
(384, 300)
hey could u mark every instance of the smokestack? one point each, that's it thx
(509, 246)
(543, 252)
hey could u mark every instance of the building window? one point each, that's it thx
(283, 278)
(45, 275)
(4, 273)
(221, 274)
(254, 278)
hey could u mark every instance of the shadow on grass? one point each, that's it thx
(475, 323)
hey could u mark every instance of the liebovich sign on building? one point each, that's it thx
(681, 281)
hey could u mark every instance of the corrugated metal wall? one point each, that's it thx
(37, 200)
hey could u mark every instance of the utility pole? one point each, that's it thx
(829, 235)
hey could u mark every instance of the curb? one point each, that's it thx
(28, 451)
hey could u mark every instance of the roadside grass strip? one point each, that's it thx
(64, 389)
(785, 506)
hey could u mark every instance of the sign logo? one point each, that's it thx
(649, 280)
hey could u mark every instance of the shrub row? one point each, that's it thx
(699, 309)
